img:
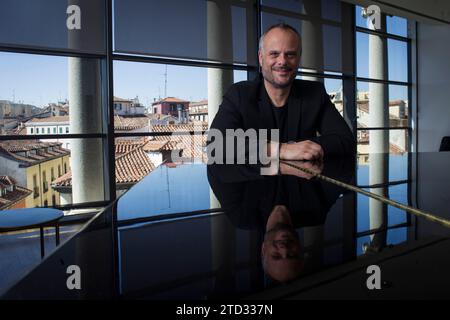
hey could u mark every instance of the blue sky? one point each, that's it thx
(38, 80)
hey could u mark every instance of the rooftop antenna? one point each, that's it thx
(165, 83)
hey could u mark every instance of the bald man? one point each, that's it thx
(309, 125)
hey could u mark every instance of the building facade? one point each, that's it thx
(51, 125)
(172, 106)
(198, 111)
(34, 165)
(124, 107)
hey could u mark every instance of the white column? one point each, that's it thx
(85, 101)
(220, 49)
(312, 39)
(378, 139)
(86, 158)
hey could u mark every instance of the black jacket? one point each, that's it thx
(248, 198)
(310, 115)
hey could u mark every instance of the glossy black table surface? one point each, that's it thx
(211, 232)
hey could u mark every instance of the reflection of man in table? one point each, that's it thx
(277, 205)
(281, 251)
(301, 110)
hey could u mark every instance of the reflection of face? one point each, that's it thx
(279, 57)
(281, 253)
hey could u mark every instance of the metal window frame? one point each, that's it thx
(407, 84)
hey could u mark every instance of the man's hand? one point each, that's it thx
(304, 150)
(313, 166)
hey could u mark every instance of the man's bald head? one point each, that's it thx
(284, 27)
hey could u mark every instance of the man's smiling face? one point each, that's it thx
(279, 57)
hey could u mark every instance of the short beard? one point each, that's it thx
(277, 85)
(282, 227)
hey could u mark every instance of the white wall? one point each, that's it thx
(433, 85)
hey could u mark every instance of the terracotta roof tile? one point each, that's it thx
(64, 181)
(170, 99)
(11, 197)
(126, 145)
(199, 103)
(50, 119)
(122, 123)
(131, 167)
(192, 145)
(31, 152)
(154, 146)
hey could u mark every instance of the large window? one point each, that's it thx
(54, 76)
(113, 97)
(383, 110)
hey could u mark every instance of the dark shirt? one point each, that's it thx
(279, 114)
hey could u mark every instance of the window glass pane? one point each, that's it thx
(394, 25)
(362, 55)
(398, 60)
(397, 160)
(398, 106)
(173, 98)
(360, 20)
(371, 109)
(333, 88)
(45, 24)
(211, 30)
(322, 43)
(397, 26)
(31, 165)
(44, 93)
(171, 95)
(27, 162)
